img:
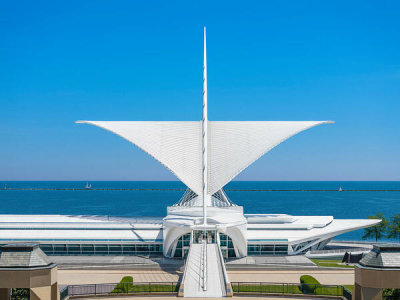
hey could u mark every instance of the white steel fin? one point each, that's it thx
(177, 145)
(233, 146)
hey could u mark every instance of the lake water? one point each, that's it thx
(341, 205)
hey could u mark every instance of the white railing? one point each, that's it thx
(227, 284)
(182, 285)
(222, 264)
(204, 265)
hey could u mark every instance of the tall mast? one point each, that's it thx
(205, 133)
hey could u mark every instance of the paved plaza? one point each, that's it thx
(334, 276)
(77, 277)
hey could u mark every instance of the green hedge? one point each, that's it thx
(20, 294)
(126, 286)
(391, 293)
(308, 279)
(266, 288)
(309, 284)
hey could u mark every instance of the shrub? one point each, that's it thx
(309, 284)
(391, 293)
(308, 279)
(20, 294)
(124, 286)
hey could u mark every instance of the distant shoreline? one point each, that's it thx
(178, 189)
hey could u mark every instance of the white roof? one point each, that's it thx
(308, 227)
(59, 228)
(232, 146)
(86, 235)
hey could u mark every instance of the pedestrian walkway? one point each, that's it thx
(204, 276)
(78, 277)
(334, 277)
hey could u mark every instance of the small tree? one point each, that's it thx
(394, 227)
(377, 231)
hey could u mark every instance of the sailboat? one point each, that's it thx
(88, 186)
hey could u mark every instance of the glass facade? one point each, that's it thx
(267, 249)
(204, 235)
(226, 244)
(101, 249)
(182, 246)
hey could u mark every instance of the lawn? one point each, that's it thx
(127, 286)
(286, 289)
(331, 263)
(350, 287)
(264, 288)
(146, 288)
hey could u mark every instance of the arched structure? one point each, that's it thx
(206, 155)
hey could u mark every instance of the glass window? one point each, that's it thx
(47, 248)
(88, 249)
(223, 251)
(154, 248)
(178, 253)
(267, 248)
(231, 253)
(252, 248)
(60, 249)
(281, 249)
(142, 248)
(101, 249)
(115, 249)
(74, 249)
(128, 249)
(185, 252)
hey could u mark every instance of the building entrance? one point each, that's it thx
(204, 235)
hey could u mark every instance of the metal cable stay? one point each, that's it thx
(218, 199)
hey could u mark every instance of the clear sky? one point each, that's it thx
(142, 60)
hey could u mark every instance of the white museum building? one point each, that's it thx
(205, 155)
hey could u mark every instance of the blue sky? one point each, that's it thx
(142, 60)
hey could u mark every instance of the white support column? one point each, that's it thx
(205, 133)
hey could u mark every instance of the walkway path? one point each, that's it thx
(335, 277)
(71, 277)
(194, 285)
